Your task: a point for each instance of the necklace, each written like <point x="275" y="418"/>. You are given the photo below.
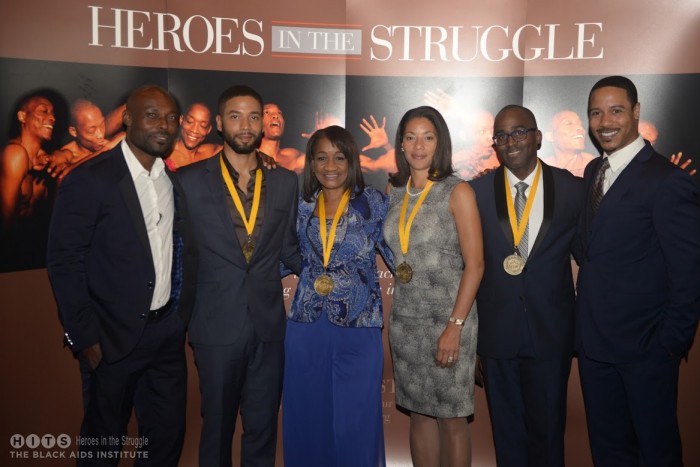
<point x="408" y="191"/>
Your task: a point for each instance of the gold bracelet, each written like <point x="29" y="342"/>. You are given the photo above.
<point x="457" y="321"/>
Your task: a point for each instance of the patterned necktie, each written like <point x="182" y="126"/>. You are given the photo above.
<point x="597" y="193"/>
<point x="520" y="201"/>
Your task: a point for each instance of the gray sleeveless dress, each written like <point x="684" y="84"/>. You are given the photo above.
<point x="422" y="307"/>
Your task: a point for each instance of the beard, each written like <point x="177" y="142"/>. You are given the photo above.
<point x="153" y="148"/>
<point x="242" y="148"/>
<point x="161" y="151"/>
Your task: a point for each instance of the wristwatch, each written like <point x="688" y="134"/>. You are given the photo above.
<point x="457" y="321"/>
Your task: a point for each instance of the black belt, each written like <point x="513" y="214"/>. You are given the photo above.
<point x="160" y="313"/>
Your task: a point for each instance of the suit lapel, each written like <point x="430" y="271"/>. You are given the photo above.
<point x="214" y="180"/>
<point x="271" y="197"/>
<point x="627" y="180"/>
<point x="499" y="191"/>
<point x="127" y="190"/>
<point x="548" y="206"/>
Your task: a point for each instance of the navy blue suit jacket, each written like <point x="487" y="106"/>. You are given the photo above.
<point x="228" y="288"/>
<point x="545" y="288"/>
<point x="639" y="282"/>
<point x="99" y="258"/>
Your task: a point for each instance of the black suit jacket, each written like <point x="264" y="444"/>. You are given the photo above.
<point x="228" y="288"/>
<point x="544" y="290"/>
<point x="639" y="282"/>
<point x="99" y="258"/>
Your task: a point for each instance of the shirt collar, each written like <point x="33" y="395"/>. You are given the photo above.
<point x="135" y="167"/>
<point x="234" y="173"/>
<point x="622" y="157"/>
<point x="513" y="180"/>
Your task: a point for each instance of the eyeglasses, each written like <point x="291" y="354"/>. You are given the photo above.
<point x="501" y="139"/>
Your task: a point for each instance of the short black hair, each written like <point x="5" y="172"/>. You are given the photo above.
<point x="441" y="166"/>
<point x="525" y="110"/>
<point x="617" y="82"/>
<point x="343" y="140"/>
<point x="237" y="91"/>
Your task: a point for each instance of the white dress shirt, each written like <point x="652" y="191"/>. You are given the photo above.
<point x="155" y="192"/>
<point x="619" y="160"/>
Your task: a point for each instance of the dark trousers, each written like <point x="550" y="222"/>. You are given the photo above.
<point x="246" y="375"/>
<point x="631" y="411"/>
<point x="152" y="380"/>
<point x="526" y="397"/>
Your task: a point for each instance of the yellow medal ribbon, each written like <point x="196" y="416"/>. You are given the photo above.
<point x="327" y="241"/>
<point x="248" y="222"/>
<point x="518" y="229"/>
<point x="405" y="227"/>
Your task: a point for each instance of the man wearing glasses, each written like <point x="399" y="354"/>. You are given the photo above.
<point x="529" y="212"/>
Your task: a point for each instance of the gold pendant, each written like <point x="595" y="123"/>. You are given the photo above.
<point x="404" y="273"/>
<point x="248" y="249"/>
<point x="323" y="285"/>
<point x="514" y="264"/>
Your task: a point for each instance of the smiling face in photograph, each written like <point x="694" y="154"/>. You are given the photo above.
<point x="568" y="133"/>
<point x="37" y="115"/>
<point x="195" y="125"/>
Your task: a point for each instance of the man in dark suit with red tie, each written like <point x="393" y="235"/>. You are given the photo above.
<point x="244" y="219"/>
<point x="122" y="268"/>
<point x="638" y="286"/>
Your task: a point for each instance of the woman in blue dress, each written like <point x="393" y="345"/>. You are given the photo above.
<point x="331" y="404"/>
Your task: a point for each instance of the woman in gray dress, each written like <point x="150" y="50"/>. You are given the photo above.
<point x="434" y="230"/>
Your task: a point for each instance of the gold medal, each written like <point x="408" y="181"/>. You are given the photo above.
<point x="248" y="222"/>
<point x="404" y="273"/>
<point x="323" y="285"/>
<point x="514" y="264"/>
<point x="248" y="249"/>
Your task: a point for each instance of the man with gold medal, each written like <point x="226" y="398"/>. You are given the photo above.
<point x="529" y="212"/>
<point x="244" y="219"/>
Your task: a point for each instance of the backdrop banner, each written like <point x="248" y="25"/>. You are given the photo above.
<point x="359" y="64"/>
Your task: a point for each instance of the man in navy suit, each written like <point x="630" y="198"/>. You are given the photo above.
<point x="526" y="297"/>
<point x="244" y="220"/>
<point x="638" y="286"/>
<point x="121" y="266"/>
